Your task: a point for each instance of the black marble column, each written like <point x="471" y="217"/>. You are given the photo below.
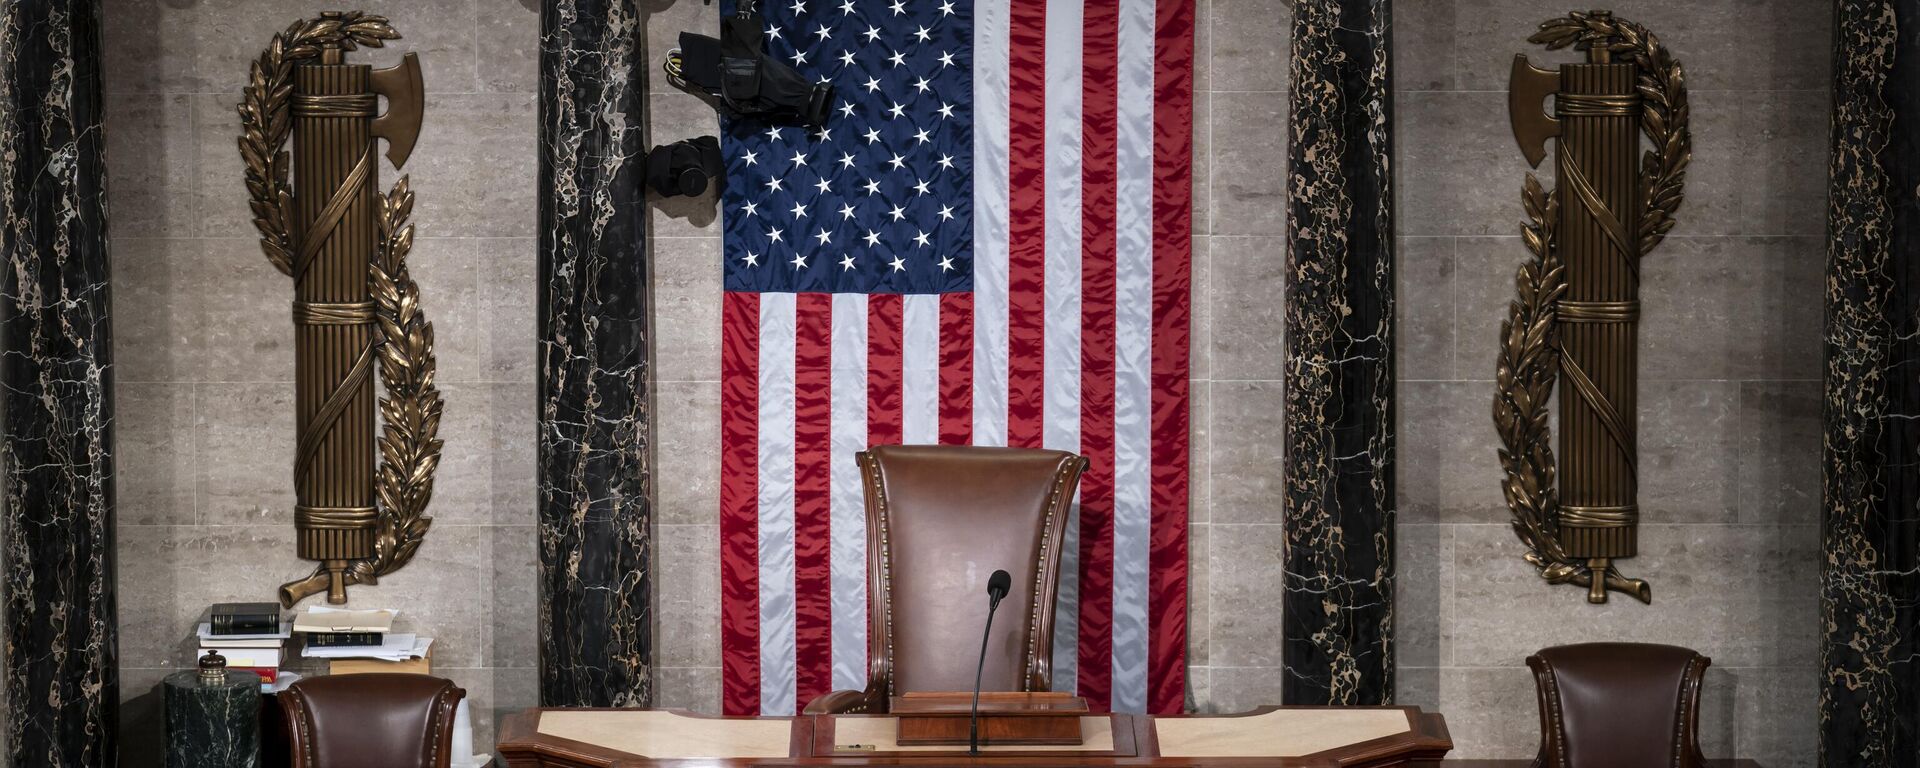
<point x="1870" y="575"/>
<point x="596" y="623"/>
<point x="56" y="391"/>
<point x="1338" y="611"/>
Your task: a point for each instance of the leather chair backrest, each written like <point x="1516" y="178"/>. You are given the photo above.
<point x="353" y="721"/>
<point x="1619" y="705"/>
<point x="941" y="520"/>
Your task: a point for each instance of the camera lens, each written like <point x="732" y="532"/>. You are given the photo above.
<point x="692" y="182"/>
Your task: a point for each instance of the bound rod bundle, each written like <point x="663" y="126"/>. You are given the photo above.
<point x="1576" y="319"/>
<point x="355" y="309"/>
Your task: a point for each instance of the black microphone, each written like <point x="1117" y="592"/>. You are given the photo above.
<point x="997" y="586"/>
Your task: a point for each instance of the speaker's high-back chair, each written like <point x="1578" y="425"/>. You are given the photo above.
<point x="940" y="520"/>
<point x="1619" y="705"/>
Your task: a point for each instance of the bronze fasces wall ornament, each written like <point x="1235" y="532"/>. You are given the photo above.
<point x="1576" y="316"/>
<point x="361" y="487"/>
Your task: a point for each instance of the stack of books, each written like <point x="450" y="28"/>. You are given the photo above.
<point x="362" y="641"/>
<point x="251" y="638"/>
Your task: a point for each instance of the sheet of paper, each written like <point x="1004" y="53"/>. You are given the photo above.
<point x="321" y="619"/>
<point x="396" y="646"/>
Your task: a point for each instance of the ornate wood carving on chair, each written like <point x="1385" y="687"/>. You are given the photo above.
<point x="939" y="520"/>
<point x="1619" y="705"/>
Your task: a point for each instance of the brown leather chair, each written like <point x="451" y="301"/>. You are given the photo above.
<point x="1619" y="705"/>
<point x="374" y="719"/>
<point x="940" y="520"/>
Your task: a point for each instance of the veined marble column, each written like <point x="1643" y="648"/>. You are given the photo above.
<point x="56" y="389"/>
<point x="1338" y="503"/>
<point x="596" y="624"/>
<point x="1870" y="575"/>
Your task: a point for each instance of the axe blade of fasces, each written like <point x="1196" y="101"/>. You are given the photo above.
<point x="406" y="101"/>
<point x="1527" y="94"/>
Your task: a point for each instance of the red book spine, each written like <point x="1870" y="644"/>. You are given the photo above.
<point x="267" y="674"/>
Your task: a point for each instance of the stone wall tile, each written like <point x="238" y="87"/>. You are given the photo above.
<point x="1689" y="451"/>
<point x="689" y="623"/>
<point x="1232" y="690"/>
<point x="1199" y="596"/>
<point x="694" y="689"/>
<point x="1249" y="44"/>
<point x="1423" y="594"/>
<point x="1424" y="299"/>
<point x="1245" y="462"/>
<point x="150" y="164"/>
<point x="154" y="444"/>
<point x="1780" y="430"/>
<point x="474" y="167"/>
<point x="1732" y="308"/>
<point x="688" y="460"/>
<point x="507" y="37"/>
<point x="244" y="441"/>
<point x="507" y="271"/>
<point x="1245" y="572"/>
<point x="686" y="310"/>
<point x="1249" y="163"/>
<point x="1249" y="320"/>
<point x="1458" y="171"/>
<point x="513" y="554"/>
<point x="1449" y="468"/>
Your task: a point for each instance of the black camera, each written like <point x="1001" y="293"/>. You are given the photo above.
<point x="684" y="167"/>
<point x="737" y="70"/>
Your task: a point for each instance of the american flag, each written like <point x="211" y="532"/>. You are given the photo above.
<point x="989" y="242"/>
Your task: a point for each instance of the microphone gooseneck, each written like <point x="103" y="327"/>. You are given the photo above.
<point x="997" y="586"/>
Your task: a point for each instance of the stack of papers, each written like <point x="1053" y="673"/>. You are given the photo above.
<point x="322" y="619"/>
<point x="394" y="647"/>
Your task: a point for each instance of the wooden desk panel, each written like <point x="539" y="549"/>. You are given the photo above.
<point x="1529" y="763"/>
<point x="1290" y="737"/>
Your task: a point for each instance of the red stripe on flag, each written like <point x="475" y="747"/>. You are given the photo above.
<point x="812" y="496"/>
<point x="886" y="316"/>
<point x="1172" y="355"/>
<point x="956" y="368"/>
<point x="1098" y="172"/>
<point x="740" y="502"/>
<point x="1026" y="226"/>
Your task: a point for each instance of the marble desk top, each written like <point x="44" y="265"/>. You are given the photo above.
<point x="1290" y="736"/>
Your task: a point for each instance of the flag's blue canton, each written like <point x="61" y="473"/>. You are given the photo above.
<point x="881" y="200"/>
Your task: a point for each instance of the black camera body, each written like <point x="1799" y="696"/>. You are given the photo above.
<point x="736" y="70"/>
<point x="684" y="167"/>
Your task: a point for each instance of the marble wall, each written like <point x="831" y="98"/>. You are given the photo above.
<point x="1730" y="359"/>
<point x="203" y="339"/>
<point x="1729" y="392"/>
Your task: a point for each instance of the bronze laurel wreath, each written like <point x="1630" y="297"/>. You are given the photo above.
<point x="1663" y="111"/>
<point x="1529" y="355"/>
<point x="410" y="409"/>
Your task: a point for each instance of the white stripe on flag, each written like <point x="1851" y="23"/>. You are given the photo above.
<point x="920" y="369"/>
<point x="1061" y="410"/>
<point x="1133" y="347"/>
<point x="776" y="503"/>
<point x="991" y="41"/>
<point x="848" y="507"/>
